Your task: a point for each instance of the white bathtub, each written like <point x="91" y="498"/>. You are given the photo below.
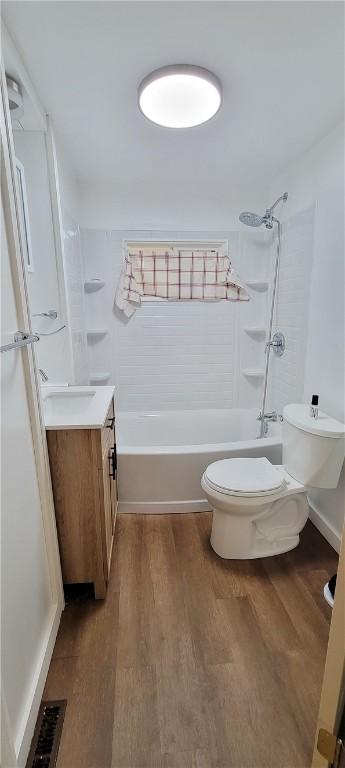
<point x="162" y="456"/>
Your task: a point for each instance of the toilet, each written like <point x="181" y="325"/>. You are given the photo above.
<point x="259" y="509"/>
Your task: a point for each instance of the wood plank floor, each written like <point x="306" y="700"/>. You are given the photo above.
<point x="193" y="661"/>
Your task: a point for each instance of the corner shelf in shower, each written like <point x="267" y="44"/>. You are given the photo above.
<point x="253" y="373"/>
<point x="257" y="285"/>
<point x="94" y="334"/>
<point x="90" y="286"/>
<point x="255" y="330"/>
<point x="99" y="378"/>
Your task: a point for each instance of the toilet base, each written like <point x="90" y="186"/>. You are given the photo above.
<point x="263" y="548"/>
<point x="272" y="530"/>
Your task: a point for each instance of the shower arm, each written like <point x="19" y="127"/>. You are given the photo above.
<point x="270" y="210"/>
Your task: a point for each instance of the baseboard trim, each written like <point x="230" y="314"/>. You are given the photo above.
<point x="162" y="507"/>
<point x="26" y="729"/>
<point x="324" y="526"/>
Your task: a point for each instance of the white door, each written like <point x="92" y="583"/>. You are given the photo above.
<point x="31" y="596"/>
<point x="330" y="724"/>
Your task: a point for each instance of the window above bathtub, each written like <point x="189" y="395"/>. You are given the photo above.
<point x="172" y="248"/>
<point x="176" y="271"/>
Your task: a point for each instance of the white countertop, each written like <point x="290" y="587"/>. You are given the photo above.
<point x="75" y="407"/>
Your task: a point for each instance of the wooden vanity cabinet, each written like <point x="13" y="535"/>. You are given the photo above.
<point x="83" y="471"/>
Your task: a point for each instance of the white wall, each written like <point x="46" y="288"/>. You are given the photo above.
<point x="74" y="282"/>
<point x="318" y="180"/>
<point x="286" y="373"/>
<point x="316" y="170"/>
<point x="63" y="356"/>
<point x="43" y="283"/>
<point x="186" y="355"/>
<point x="69" y="187"/>
<point x="72" y="266"/>
<point x="102" y="208"/>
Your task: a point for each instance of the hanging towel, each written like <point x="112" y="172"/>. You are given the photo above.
<point x="174" y="274"/>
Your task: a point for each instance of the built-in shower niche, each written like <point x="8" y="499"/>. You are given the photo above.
<point x="96" y="332"/>
<point x="252" y="323"/>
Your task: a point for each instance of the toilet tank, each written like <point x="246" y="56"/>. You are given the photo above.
<point x="313" y="449"/>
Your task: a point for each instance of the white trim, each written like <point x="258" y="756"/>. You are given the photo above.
<point x="31" y="706"/>
<point x="326" y="528"/>
<point x="55" y="198"/>
<point x="10" y="202"/>
<point x="26" y="223"/>
<point x="149" y="241"/>
<point x="7" y="752"/>
<point x="162" y="507"/>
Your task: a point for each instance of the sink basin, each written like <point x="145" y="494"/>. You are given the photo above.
<point x="60" y="404"/>
<point x="76" y="407"/>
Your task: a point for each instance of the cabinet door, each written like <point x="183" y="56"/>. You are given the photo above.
<point x="107" y="483"/>
<point x="113" y="487"/>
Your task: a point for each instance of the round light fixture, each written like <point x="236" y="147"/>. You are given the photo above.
<point x="180" y="96"/>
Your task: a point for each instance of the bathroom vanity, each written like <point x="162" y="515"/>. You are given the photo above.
<point x="80" y="428"/>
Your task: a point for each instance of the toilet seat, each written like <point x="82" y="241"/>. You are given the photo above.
<point x="248" y="477"/>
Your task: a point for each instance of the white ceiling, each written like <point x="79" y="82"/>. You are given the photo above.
<point x="280" y="63"/>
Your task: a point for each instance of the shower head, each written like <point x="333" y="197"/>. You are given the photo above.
<point x="254" y="220"/>
<point x="251" y="219"/>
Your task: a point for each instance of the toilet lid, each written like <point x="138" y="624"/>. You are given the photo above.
<point x="245" y="476"/>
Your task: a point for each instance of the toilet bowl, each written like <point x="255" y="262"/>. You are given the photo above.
<point x="254" y="523"/>
<point x="259" y="509"/>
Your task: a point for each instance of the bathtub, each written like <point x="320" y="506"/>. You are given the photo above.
<point x="162" y="456"/>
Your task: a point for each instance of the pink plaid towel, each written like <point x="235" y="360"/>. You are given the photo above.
<point x="176" y="275"/>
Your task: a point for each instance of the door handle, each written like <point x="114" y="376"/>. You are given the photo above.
<point x="113" y="463"/>
<point x="112" y="422"/>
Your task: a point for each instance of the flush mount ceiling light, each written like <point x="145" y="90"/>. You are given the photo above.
<point x="180" y="96"/>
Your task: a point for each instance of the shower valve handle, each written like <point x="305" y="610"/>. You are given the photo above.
<point x="277" y="343"/>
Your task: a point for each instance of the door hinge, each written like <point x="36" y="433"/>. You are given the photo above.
<point x="331" y="748"/>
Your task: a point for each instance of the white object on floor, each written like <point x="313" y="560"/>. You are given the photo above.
<point x="328" y="595"/>
<point x="260" y="509"/>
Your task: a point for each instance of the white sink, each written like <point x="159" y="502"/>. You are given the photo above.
<point x="61" y="404"/>
<point x="75" y="407"/>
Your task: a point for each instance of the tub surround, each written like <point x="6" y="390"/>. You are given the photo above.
<point x="178" y="355"/>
